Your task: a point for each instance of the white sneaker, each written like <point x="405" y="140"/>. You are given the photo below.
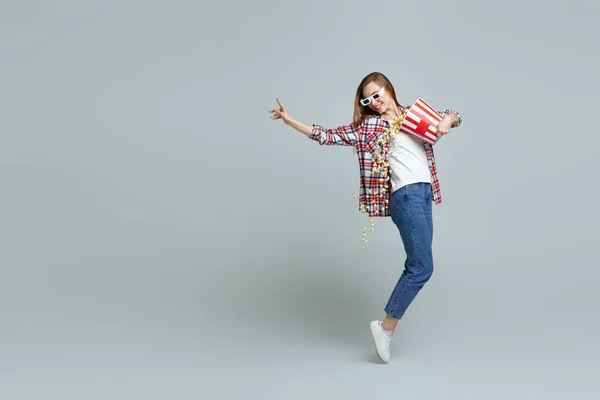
<point x="383" y="341"/>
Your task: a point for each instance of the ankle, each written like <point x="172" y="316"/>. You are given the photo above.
<point x="387" y="328"/>
<point x="389" y="324"/>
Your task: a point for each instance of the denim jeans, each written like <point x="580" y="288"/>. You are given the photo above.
<point x="410" y="209"/>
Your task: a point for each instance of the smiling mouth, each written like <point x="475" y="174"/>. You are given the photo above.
<point x="378" y="106"/>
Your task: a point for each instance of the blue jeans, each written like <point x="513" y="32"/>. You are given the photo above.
<point x="410" y="209"/>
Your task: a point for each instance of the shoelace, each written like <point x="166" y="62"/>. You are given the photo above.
<point x="388" y="344"/>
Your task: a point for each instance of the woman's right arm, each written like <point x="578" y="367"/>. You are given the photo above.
<point x="346" y="135"/>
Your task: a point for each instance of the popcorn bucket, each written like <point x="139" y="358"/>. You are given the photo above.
<point x="421" y="120"/>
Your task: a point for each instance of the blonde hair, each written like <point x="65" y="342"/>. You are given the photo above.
<point x="361" y="113"/>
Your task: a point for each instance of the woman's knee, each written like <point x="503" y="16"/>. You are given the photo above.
<point x="427" y="271"/>
<point x="423" y="273"/>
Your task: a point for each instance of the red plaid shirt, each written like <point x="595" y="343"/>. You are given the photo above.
<point x="364" y="138"/>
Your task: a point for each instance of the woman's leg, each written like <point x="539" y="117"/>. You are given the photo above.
<point x="410" y="208"/>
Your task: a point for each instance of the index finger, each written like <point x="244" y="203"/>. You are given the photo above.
<point x="278" y="102"/>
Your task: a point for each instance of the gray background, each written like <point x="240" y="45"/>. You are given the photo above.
<point x="161" y="238"/>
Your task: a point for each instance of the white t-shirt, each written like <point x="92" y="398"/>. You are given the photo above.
<point x="408" y="161"/>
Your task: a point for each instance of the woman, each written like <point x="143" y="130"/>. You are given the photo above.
<point x="397" y="178"/>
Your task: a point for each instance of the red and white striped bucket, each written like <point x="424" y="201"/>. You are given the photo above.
<point x="421" y="121"/>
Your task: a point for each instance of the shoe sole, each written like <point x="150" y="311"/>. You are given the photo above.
<point x="375" y="341"/>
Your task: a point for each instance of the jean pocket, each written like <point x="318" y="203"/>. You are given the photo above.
<point x="415" y="192"/>
<point x="408" y="190"/>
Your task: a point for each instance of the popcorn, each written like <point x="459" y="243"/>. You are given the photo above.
<point x="382" y="167"/>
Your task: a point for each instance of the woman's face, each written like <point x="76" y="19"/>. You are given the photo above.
<point x="380" y="103"/>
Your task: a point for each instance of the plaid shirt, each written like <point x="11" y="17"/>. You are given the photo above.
<point x="364" y="138"/>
